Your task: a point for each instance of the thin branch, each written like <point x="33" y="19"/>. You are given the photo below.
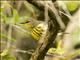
<point x="46" y="13"/>
<point x="58" y="18"/>
<point x="52" y="8"/>
<point x="46" y="41"/>
<point x="23" y="51"/>
<point x="8" y="45"/>
<point x="70" y="17"/>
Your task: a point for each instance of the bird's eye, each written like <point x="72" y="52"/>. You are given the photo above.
<point x="39" y="27"/>
<point x="25" y="22"/>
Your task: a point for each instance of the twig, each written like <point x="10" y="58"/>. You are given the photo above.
<point x="58" y="18"/>
<point x="70" y="17"/>
<point x="8" y="45"/>
<point x="23" y="51"/>
<point x="52" y="8"/>
<point x="46" y="12"/>
<point x="47" y="39"/>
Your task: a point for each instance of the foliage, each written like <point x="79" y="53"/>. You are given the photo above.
<point x="18" y="20"/>
<point x="8" y="57"/>
<point x="72" y="6"/>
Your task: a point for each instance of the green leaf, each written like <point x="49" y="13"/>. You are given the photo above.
<point x="9" y="57"/>
<point x="72" y="6"/>
<point x="2" y="14"/>
<point x="15" y="16"/>
<point x="5" y="52"/>
<point x="51" y="50"/>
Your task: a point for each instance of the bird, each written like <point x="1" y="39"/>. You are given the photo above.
<point x="29" y="41"/>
